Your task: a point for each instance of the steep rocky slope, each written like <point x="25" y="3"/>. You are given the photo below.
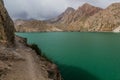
<point x="6" y="27"/>
<point x="106" y="20"/>
<point x="84" y="11"/>
<point x="81" y="15"/>
<point x="33" y="26"/>
<point x="20" y="62"/>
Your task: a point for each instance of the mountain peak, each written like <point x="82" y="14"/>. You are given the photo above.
<point x="69" y="9"/>
<point x="87" y="9"/>
<point x="86" y="5"/>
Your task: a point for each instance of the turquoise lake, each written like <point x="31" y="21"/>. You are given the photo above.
<point x="81" y="55"/>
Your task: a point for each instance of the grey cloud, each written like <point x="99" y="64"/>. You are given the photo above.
<point x="45" y="9"/>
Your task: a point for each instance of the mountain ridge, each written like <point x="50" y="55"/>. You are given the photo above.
<point x="84" y="18"/>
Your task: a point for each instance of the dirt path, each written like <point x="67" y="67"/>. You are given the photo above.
<point x="33" y="68"/>
<point x="25" y="64"/>
<point x="27" y="69"/>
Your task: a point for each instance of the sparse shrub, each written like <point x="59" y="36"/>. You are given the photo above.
<point x="48" y="59"/>
<point x="39" y="52"/>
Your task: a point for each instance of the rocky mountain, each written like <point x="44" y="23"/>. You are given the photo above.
<point x="6" y="27"/>
<point x="21" y="61"/>
<point x="84" y="12"/>
<point x="33" y="26"/>
<point x="90" y="18"/>
<point x="72" y="19"/>
<point x="85" y="18"/>
<point x="106" y="20"/>
<point x="81" y="15"/>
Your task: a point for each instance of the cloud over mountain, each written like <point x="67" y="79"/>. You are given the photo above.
<point x="45" y="9"/>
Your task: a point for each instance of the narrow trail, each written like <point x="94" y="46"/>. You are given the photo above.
<point x="33" y="68"/>
<point x="27" y="69"/>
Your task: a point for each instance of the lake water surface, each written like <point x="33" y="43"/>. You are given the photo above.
<point x="81" y="56"/>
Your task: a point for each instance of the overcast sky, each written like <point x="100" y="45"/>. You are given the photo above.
<point x="46" y="9"/>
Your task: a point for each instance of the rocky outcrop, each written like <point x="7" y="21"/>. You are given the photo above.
<point x="6" y="27"/>
<point x="106" y="20"/>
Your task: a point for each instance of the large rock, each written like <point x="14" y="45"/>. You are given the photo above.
<point x="6" y="27"/>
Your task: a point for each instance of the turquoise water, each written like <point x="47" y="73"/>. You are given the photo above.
<point x="81" y="56"/>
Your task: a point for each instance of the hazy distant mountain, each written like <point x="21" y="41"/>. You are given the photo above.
<point x="33" y="26"/>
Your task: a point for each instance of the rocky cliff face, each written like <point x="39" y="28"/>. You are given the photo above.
<point x="6" y="27"/>
<point x="106" y="20"/>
